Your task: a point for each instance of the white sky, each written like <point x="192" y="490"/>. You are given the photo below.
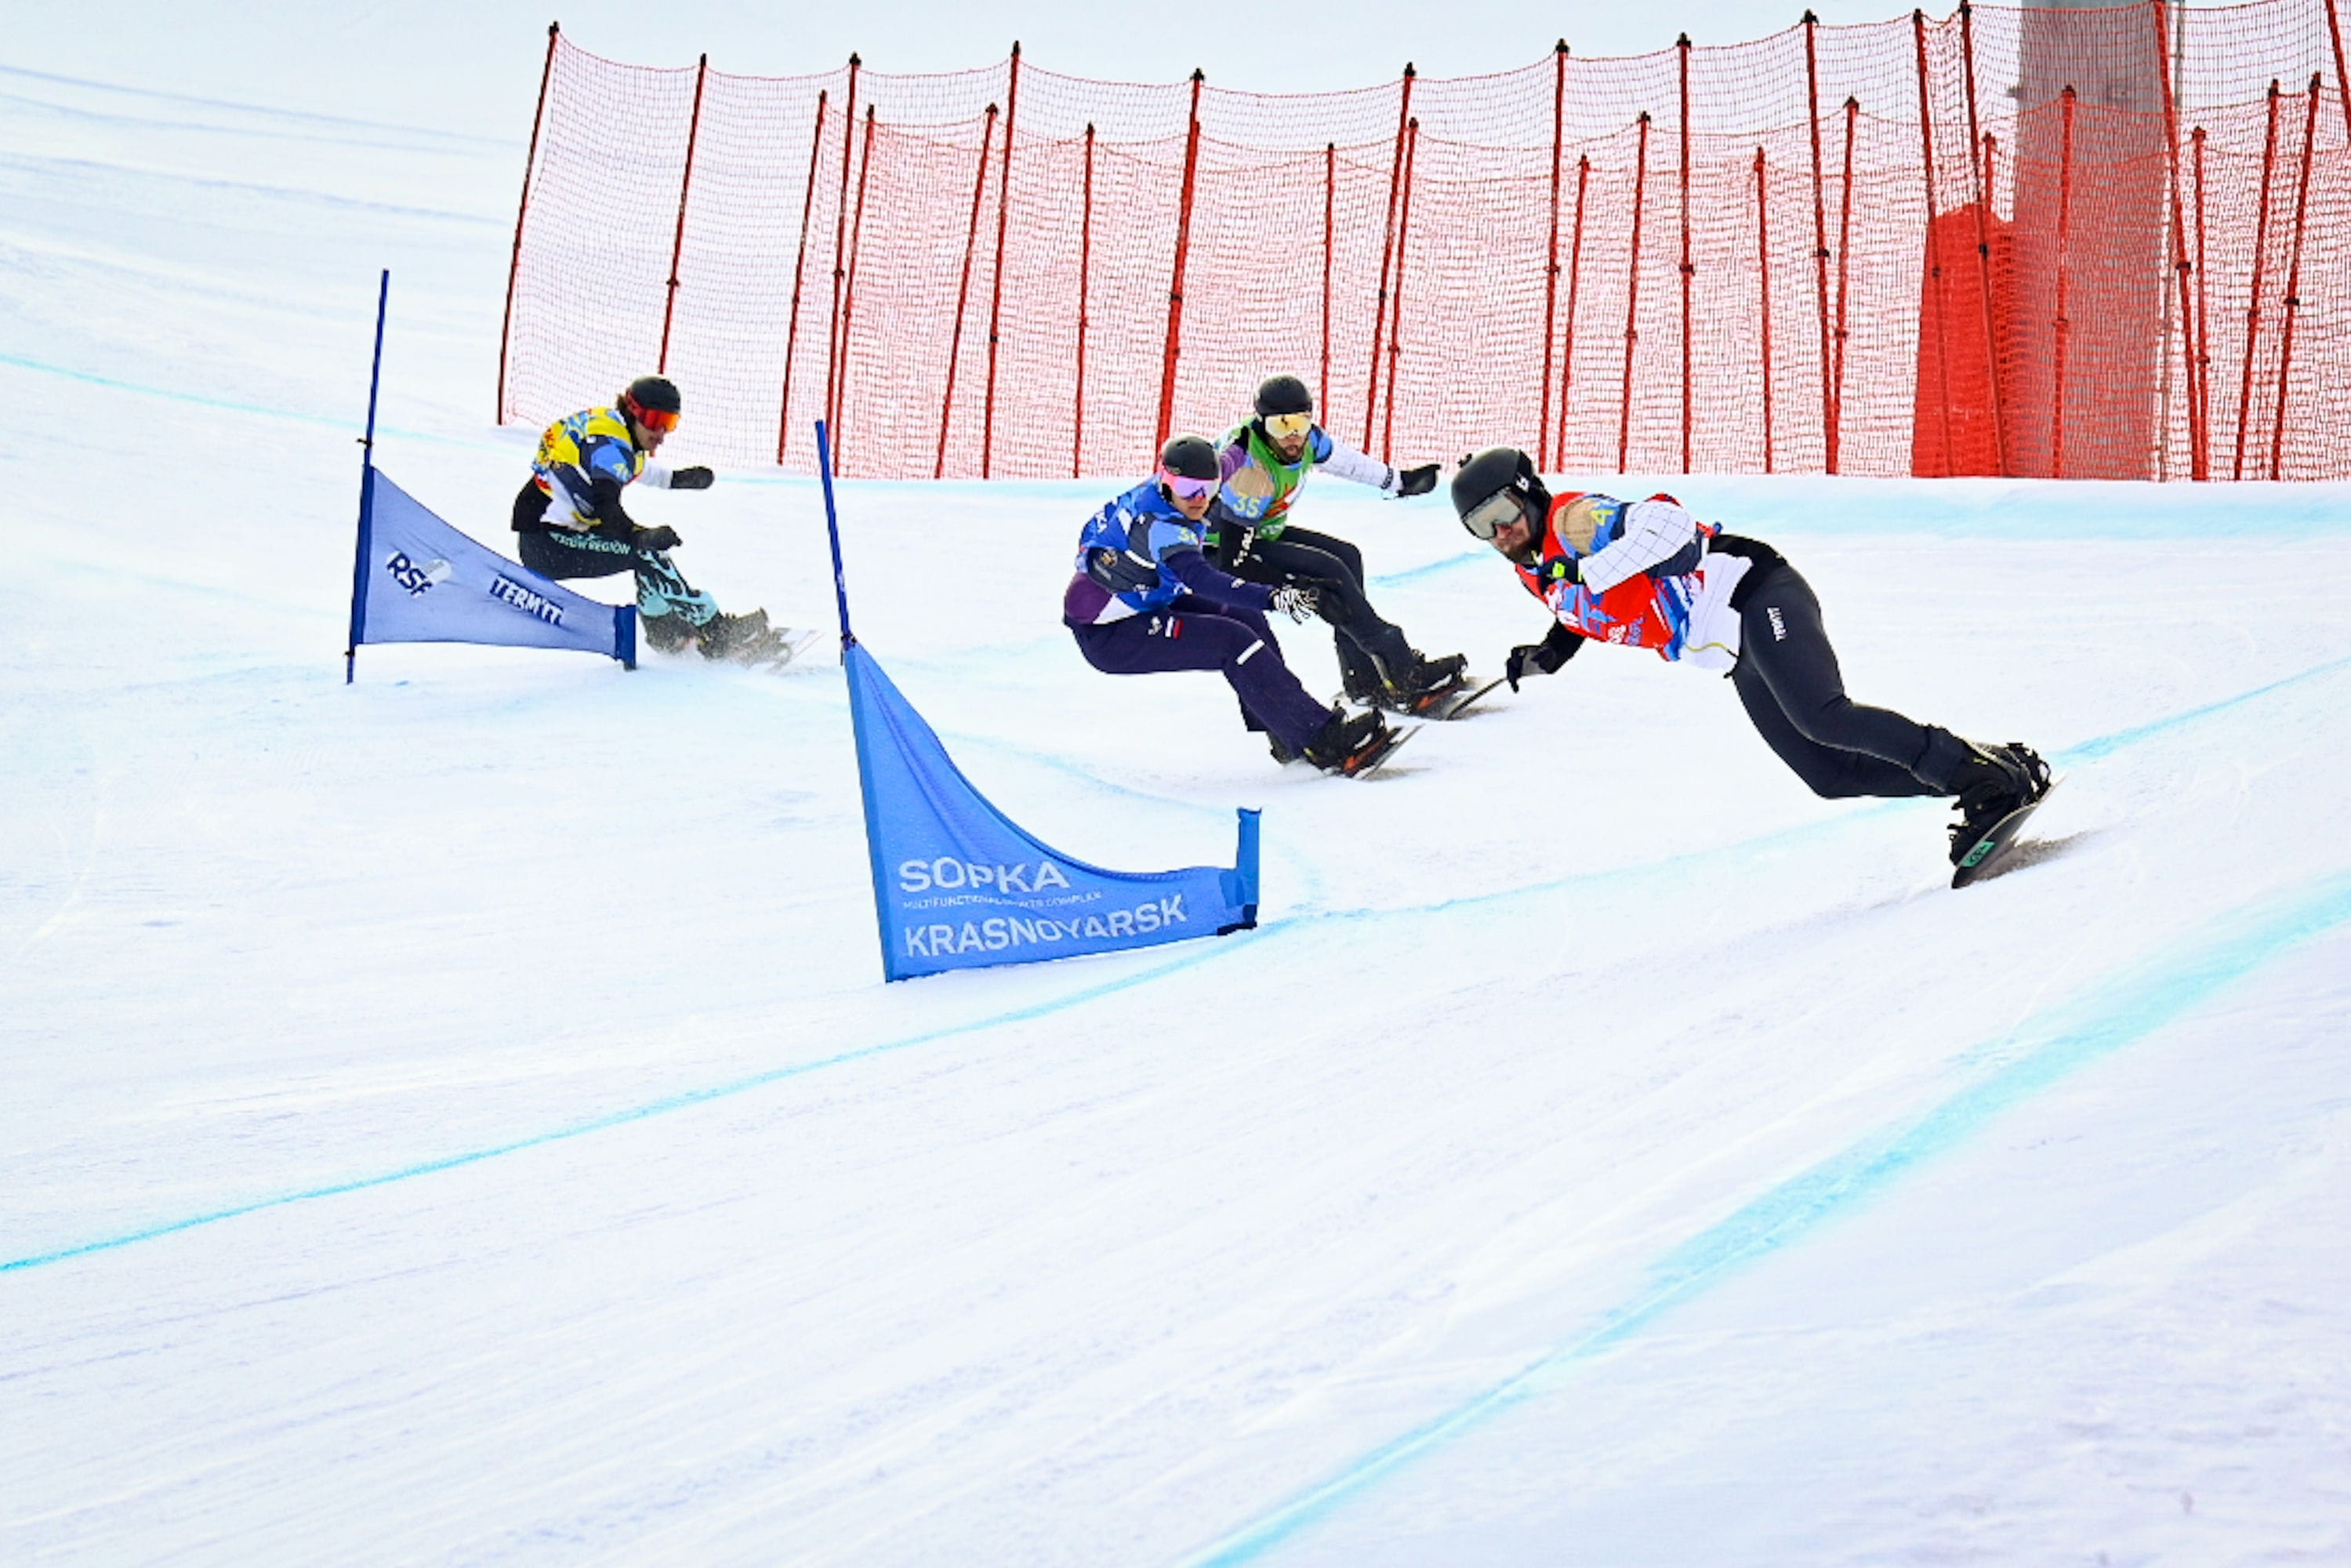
<point x="475" y="66"/>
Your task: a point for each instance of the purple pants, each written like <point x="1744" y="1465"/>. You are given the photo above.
<point x="1194" y="634"/>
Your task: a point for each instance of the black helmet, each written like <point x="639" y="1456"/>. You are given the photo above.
<point x="1284" y="394"/>
<point x="654" y="394"/>
<point x="1190" y="457"/>
<point x="1496" y="471"/>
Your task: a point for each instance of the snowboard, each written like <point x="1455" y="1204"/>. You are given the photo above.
<point x="779" y="648"/>
<point x="1988" y="852"/>
<point x="774" y="649"/>
<point x="1462" y="699"/>
<point x="1452" y="704"/>
<point x="1364" y="767"/>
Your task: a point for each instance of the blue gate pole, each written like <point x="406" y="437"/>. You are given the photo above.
<point x="367" y="488"/>
<point x="832" y="528"/>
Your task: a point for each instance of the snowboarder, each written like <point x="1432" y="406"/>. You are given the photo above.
<point x="1145" y="600"/>
<point x="1647" y="574"/>
<point x="1263" y="463"/>
<point x="583" y="463"/>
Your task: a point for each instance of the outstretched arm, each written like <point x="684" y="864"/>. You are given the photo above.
<point x="1191" y="568"/>
<point x="1337" y="458"/>
<point x="662" y="477"/>
<point x="1651" y="532"/>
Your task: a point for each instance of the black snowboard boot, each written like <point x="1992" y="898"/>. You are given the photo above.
<point x="1349" y="740"/>
<point x="1425" y="682"/>
<point x="744" y="638"/>
<point x="667" y="634"/>
<point x="1993" y="781"/>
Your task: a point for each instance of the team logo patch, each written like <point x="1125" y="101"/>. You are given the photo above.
<point x="1580" y="522"/>
<point x="415" y="578"/>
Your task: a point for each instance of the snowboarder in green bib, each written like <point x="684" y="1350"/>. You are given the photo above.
<point x="1264" y="463"/>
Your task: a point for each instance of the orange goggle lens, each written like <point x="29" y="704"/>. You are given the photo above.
<point x="1283" y="427"/>
<point x="661" y="421"/>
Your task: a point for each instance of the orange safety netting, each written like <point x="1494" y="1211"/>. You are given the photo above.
<point x="2109" y="244"/>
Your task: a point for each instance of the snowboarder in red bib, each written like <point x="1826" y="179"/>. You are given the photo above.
<point x="1647" y="574"/>
<point x="1146" y="601"/>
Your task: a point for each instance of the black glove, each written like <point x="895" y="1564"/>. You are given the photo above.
<point x="656" y="540"/>
<point x="1562" y="568"/>
<point x="690" y="479"/>
<point x="1543" y="658"/>
<point x="1417" y="481"/>
<point x="1528" y="659"/>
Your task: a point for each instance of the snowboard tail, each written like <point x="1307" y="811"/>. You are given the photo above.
<point x="1986" y="854"/>
<point x="1366" y="763"/>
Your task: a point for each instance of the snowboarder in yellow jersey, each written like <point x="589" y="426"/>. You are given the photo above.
<point x="572" y="524"/>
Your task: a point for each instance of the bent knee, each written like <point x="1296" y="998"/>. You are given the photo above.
<point x="1837" y="786"/>
<point x="1255" y="648"/>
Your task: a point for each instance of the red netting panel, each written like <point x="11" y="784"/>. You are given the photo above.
<point x="1260" y="217"/>
<point x="1944" y="264"/>
<point x="2248" y="347"/>
<point x="2318" y="406"/>
<point x="591" y="282"/>
<point x="733" y="314"/>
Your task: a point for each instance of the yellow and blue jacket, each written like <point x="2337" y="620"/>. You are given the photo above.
<point x="583" y="462"/>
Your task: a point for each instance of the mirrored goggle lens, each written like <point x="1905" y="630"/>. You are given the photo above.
<point x="1492" y="514"/>
<point x="1186" y="488"/>
<point x="1283" y="427"/>
<point x="660" y="420"/>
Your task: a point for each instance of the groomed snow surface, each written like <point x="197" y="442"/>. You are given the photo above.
<point x="458" y="1117"/>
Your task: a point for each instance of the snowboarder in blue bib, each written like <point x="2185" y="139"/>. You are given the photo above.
<point x="572" y="524"/>
<point x="1145" y="599"/>
<point x="1263" y="465"/>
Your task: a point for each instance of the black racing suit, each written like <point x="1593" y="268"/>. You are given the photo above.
<point x="1370" y="650"/>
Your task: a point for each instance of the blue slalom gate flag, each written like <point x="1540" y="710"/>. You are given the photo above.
<point x="420" y="580"/>
<point x="959" y="885"/>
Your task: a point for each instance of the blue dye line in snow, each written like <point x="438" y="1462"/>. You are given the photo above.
<point x="2108" y="744"/>
<point x="1293" y="925"/>
<point x="303" y="117"/>
<point x="2116" y="1013"/>
<point x="620" y="1118"/>
<point x="172" y="394"/>
<point x="2090" y="750"/>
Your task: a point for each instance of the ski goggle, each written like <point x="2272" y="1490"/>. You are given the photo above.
<point x="1184" y="487"/>
<point x="660" y="421"/>
<point x="1283" y="427"/>
<point x="1492" y="514"/>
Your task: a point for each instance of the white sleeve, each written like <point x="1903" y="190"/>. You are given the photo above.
<point x="1652" y="531"/>
<point x="655" y="475"/>
<point x="1363" y="469"/>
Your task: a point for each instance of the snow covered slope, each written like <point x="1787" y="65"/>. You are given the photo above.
<point x="458" y="1117"/>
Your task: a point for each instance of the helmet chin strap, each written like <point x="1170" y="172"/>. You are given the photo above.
<point x="1538" y="508"/>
